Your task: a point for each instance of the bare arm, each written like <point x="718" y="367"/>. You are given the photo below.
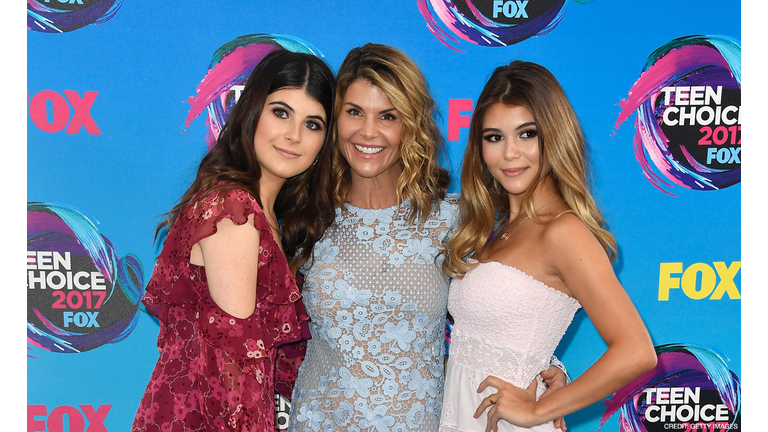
<point x="584" y="268"/>
<point x="555" y="377"/>
<point x="230" y="257"/>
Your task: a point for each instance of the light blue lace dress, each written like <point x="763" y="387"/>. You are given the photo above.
<point x="377" y="299"/>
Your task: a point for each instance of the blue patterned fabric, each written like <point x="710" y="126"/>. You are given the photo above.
<point x="378" y="300"/>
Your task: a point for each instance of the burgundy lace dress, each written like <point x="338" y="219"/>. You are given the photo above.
<point x="217" y="372"/>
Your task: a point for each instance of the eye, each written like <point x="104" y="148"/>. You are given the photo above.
<point x="354" y="112"/>
<point x="388" y="117"/>
<point x="529" y="133"/>
<point x="280" y="112"/>
<point x="493" y="137"/>
<point x="313" y="125"/>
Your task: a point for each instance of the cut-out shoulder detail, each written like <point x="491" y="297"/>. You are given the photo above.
<point x="215" y="371"/>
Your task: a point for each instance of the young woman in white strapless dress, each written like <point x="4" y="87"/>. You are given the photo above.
<point x="516" y="288"/>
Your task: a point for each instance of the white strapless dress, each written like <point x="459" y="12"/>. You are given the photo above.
<point x="507" y="324"/>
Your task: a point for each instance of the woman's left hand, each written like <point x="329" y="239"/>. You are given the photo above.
<point x="554" y="378"/>
<point x="509" y="403"/>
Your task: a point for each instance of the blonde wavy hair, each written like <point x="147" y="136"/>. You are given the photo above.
<point x="562" y="145"/>
<point x="423" y="181"/>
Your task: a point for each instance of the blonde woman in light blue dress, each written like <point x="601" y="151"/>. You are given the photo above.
<point x="375" y="290"/>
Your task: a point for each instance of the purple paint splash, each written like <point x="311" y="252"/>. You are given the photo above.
<point x="45" y="19"/>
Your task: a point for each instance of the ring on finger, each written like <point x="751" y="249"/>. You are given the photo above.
<point x="490" y="399"/>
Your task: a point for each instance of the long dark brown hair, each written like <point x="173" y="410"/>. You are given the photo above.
<point x="303" y="205"/>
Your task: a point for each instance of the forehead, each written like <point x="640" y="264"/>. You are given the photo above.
<point x="366" y="94"/>
<point x="513" y="115"/>
<point x="298" y="99"/>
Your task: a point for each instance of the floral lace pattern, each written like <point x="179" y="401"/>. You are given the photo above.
<point x="217" y="372"/>
<point x="377" y="298"/>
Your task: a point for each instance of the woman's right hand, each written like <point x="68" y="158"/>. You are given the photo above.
<point x="510" y="403"/>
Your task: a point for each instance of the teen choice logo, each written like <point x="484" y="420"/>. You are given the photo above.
<point x="80" y="293"/>
<point x="688" y="127"/>
<point x="494" y="23"/>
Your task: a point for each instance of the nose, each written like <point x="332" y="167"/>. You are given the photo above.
<point x="369" y="128"/>
<point x="293" y="132"/>
<point x="511" y="151"/>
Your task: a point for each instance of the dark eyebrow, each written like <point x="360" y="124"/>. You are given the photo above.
<point x="318" y="118"/>
<point x="283" y="104"/>
<point x="289" y="108"/>
<point x="388" y="111"/>
<point x="522" y="126"/>
<point x="356" y="106"/>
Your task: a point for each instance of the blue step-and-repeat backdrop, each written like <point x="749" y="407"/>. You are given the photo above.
<point x="124" y="96"/>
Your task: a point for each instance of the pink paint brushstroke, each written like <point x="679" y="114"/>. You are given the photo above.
<point x="219" y="79"/>
<point x="681" y="59"/>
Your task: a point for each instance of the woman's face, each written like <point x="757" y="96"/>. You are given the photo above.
<point x="370" y="130"/>
<point x="290" y="133"/>
<point x="510" y="146"/>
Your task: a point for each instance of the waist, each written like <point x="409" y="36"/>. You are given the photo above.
<point x="461" y="399"/>
<point x="511" y="363"/>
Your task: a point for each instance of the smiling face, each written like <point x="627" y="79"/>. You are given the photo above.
<point x="369" y="131"/>
<point x="510" y="147"/>
<point x="290" y="133"/>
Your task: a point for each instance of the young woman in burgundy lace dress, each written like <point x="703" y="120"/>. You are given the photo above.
<point x="232" y="323"/>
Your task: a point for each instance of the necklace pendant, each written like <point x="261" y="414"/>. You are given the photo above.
<point x="505" y="236"/>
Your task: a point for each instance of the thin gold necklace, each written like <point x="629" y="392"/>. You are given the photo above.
<point x="506" y="234"/>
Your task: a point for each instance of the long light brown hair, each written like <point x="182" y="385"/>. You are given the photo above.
<point x="423" y="181"/>
<point x="562" y="146"/>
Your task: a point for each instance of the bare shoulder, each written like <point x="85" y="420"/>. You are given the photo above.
<point x="567" y="234"/>
<point x="577" y="258"/>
